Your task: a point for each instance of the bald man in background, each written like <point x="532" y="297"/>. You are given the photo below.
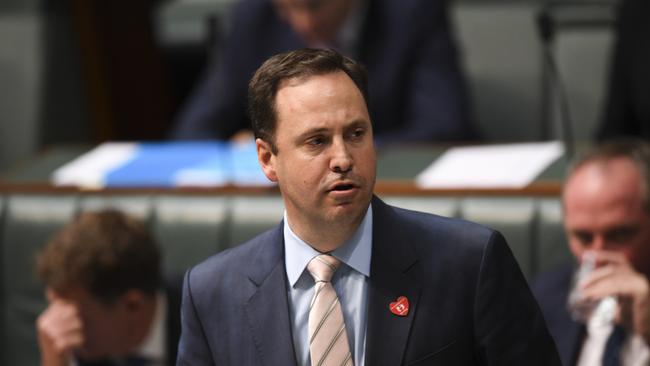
<point x="607" y="221"/>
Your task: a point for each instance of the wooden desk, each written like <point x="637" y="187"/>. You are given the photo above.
<point x="396" y="169"/>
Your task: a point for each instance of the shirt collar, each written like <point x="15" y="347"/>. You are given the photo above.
<point x="355" y="252"/>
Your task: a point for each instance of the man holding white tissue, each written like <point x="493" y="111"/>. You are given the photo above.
<point x="606" y="319"/>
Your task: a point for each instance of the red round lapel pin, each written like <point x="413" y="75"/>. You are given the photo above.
<point x="400" y="307"/>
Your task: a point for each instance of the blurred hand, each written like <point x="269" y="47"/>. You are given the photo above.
<point x="615" y="276"/>
<point x="60" y="331"/>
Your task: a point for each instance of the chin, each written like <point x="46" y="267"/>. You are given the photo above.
<point x="348" y="211"/>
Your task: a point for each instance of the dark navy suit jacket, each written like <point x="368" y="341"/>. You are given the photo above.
<point x="469" y="302"/>
<point x="417" y="92"/>
<point x="552" y="291"/>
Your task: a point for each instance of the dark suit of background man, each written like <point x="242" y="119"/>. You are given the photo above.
<point x="106" y="303"/>
<point x="417" y="90"/>
<point x="468" y="302"/>
<point x="606" y="214"/>
<point x="628" y="104"/>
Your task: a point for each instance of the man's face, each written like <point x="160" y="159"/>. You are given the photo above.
<point x="325" y="160"/>
<point x="106" y="327"/>
<point x="317" y="22"/>
<point x="603" y="210"/>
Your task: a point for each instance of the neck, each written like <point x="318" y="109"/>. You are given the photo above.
<point x="325" y="237"/>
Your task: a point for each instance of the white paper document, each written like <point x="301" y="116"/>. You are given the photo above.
<point x="89" y="170"/>
<point x="492" y="166"/>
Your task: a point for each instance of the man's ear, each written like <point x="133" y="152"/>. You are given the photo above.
<point x="266" y="159"/>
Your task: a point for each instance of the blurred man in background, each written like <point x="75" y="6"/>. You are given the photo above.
<point x="607" y="220"/>
<point x="106" y="306"/>
<point x="417" y="91"/>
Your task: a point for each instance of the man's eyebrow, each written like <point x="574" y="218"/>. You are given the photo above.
<point x="581" y="232"/>
<point x="360" y="122"/>
<point x="356" y="123"/>
<point x="313" y="131"/>
<point x="623" y="228"/>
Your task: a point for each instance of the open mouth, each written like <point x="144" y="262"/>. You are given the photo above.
<point x="343" y="187"/>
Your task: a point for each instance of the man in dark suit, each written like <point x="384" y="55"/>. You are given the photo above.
<point x="408" y="287"/>
<point x="607" y="220"/>
<point x="417" y="90"/>
<point x="627" y="110"/>
<point x="106" y="303"/>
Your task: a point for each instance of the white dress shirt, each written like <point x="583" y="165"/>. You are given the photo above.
<point x="635" y="351"/>
<point x="350" y="282"/>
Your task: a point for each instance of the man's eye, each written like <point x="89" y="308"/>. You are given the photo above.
<point x="358" y="133"/>
<point x="316" y="141"/>
<point x="622" y="235"/>
<point x="584" y="238"/>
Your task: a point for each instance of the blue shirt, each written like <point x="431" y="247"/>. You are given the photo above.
<point x="350" y="282"/>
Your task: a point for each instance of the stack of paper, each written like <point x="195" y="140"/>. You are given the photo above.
<point x="492" y="166"/>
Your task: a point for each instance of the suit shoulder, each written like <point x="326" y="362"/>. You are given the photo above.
<point x="445" y="228"/>
<point x="234" y="259"/>
<point x="437" y="238"/>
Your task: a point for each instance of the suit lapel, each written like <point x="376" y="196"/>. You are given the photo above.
<point x="567" y="333"/>
<point x="569" y="340"/>
<point x="267" y="310"/>
<point x="387" y="333"/>
<point x="568" y="336"/>
<point x="576" y="333"/>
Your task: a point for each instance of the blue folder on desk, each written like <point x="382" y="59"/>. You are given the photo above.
<point x="167" y="164"/>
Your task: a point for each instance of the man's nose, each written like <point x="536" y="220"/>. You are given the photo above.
<point x="341" y="160"/>
<point x="599" y="243"/>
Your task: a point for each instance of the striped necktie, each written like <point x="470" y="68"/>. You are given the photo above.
<point x="328" y="339"/>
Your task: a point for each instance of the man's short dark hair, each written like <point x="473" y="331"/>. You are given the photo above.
<point x="104" y="252"/>
<point x="298" y="64"/>
<point x="636" y="150"/>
